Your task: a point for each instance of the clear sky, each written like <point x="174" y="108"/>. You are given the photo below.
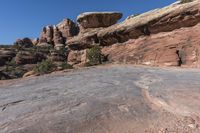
<point x="25" y="18"/>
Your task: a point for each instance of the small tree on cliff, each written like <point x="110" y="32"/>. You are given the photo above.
<point x="94" y="56"/>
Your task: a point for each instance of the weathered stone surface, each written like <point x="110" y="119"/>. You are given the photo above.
<point x="59" y="46"/>
<point x="113" y="99"/>
<point x="27" y="57"/>
<point x="84" y="40"/>
<point x="44" y="45"/>
<point x="25" y="42"/>
<point x="77" y="57"/>
<point x="98" y="19"/>
<point x="68" y="28"/>
<point x="166" y="19"/>
<point x="47" y="35"/>
<point x="57" y="56"/>
<point x="30" y="74"/>
<point x="58" y="34"/>
<point x="176" y="48"/>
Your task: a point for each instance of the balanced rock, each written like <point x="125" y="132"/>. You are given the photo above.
<point x="98" y="19"/>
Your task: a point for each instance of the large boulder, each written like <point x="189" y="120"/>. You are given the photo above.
<point x="24" y="43"/>
<point x="98" y="19"/>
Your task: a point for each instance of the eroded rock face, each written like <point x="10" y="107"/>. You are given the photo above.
<point x="27" y="57"/>
<point x="68" y="28"/>
<point x="25" y="42"/>
<point x="177" y="48"/>
<point x="57" y="56"/>
<point x="47" y="35"/>
<point x="77" y="57"/>
<point x="60" y="33"/>
<point x="166" y="19"/>
<point x="98" y="19"/>
<point x="57" y="36"/>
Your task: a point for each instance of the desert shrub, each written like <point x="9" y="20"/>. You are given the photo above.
<point x="94" y="56"/>
<point x="11" y="63"/>
<point x="13" y="71"/>
<point x="62" y="51"/>
<point x="17" y="47"/>
<point x="46" y="66"/>
<point x="65" y="65"/>
<point x="5" y="46"/>
<point x="185" y="1"/>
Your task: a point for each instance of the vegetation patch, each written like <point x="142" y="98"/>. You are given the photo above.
<point x="94" y="56"/>
<point x="65" y="65"/>
<point x="44" y="67"/>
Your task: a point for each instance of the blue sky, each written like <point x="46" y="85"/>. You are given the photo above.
<point x="25" y="18"/>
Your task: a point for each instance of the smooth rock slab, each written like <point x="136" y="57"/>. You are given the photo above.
<point x="109" y="99"/>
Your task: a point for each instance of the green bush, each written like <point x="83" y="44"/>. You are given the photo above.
<point x="46" y="66"/>
<point x="185" y="1"/>
<point x="65" y="65"/>
<point x="94" y="56"/>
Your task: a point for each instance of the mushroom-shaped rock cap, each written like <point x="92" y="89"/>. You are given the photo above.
<point x="98" y="19"/>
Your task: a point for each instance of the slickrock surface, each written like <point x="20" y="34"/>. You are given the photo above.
<point x="106" y="99"/>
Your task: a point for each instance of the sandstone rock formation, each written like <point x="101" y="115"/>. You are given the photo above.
<point x="57" y="56"/>
<point x="28" y="57"/>
<point x="180" y="47"/>
<point x="166" y="19"/>
<point x="68" y="29"/>
<point x="60" y="33"/>
<point x="25" y="42"/>
<point x="98" y="19"/>
<point x="77" y="57"/>
<point x="161" y="37"/>
<point x="46" y="35"/>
